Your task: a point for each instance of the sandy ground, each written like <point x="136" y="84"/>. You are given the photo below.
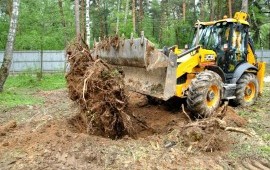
<point x="43" y="137"/>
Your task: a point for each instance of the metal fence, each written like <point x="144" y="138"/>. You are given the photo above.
<point x="263" y="55"/>
<point x="50" y="61"/>
<point x="54" y="61"/>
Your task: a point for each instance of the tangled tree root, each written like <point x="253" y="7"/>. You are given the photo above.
<point x="98" y="89"/>
<point x="209" y="134"/>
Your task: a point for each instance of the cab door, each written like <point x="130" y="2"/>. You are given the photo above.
<point x="238" y="41"/>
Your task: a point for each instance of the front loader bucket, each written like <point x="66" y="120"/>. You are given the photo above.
<point x="147" y="70"/>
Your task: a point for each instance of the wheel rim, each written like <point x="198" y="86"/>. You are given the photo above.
<point x="212" y="96"/>
<point x="250" y="91"/>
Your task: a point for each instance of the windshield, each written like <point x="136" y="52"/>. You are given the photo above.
<point x="212" y="37"/>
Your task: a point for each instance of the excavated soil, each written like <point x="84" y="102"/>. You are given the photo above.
<point x="45" y="138"/>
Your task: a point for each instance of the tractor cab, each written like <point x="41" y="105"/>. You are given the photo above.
<point x="229" y="40"/>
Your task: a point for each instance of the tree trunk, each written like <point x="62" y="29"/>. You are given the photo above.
<point x="126" y="12"/>
<point x="245" y="5"/>
<point x="195" y="11"/>
<point x="9" y="8"/>
<point x="212" y="10"/>
<point x="202" y="10"/>
<point x="102" y="22"/>
<point x="230" y="8"/>
<point x="106" y="17"/>
<point x="87" y="22"/>
<point x="235" y="6"/>
<point x="141" y="14"/>
<point x="219" y="14"/>
<point x="60" y="4"/>
<point x="8" y="55"/>
<point x="82" y="19"/>
<point x="141" y="9"/>
<point x="117" y="19"/>
<point x="77" y="19"/>
<point x="184" y="10"/>
<point x="134" y="15"/>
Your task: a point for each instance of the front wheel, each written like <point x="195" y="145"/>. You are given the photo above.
<point x="204" y="94"/>
<point x="246" y="90"/>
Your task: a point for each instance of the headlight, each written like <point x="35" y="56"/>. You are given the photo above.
<point x="209" y="57"/>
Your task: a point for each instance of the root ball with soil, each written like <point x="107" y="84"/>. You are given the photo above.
<point x="98" y="89"/>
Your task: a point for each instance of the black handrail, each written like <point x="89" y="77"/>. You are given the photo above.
<point x="189" y="51"/>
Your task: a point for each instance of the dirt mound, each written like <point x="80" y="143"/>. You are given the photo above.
<point x="211" y="134"/>
<point x="45" y="140"/>
<point x="98" y="88"/>
<point x="233" y="119"/>
<point x="206" y="135"/>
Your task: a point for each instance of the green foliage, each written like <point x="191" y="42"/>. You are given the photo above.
<point x="41" y="24"/>
<point x="260" y="23"/>
<point x="265" y="34"/>
<point x="17" y="88"/>
<point x="4" y="26"/>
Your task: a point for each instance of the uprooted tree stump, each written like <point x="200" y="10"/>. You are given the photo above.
<point x="98" y="89"/>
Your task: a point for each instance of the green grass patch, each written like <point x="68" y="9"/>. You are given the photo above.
<point x="47" y="82"/>
<point x="19" y="89"/>
<point x="265" y="151"/>
<point x="12" y="98"/>
<point x="258" y="121"/>
<point x="53" y="82"/>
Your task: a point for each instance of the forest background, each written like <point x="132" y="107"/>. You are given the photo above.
<point x="50" y="24"/>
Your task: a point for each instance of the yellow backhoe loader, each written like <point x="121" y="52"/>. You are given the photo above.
<point x="220" y="65"/>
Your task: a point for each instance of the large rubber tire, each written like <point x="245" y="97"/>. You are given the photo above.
<point x="247" y="89"/>
<point x="205" y="93"/>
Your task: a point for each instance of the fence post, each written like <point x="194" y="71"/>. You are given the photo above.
<point x="41" y="62"/>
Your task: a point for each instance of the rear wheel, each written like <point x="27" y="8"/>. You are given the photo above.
<point x="204" y="94"/>
<point x="246" y="90"/>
